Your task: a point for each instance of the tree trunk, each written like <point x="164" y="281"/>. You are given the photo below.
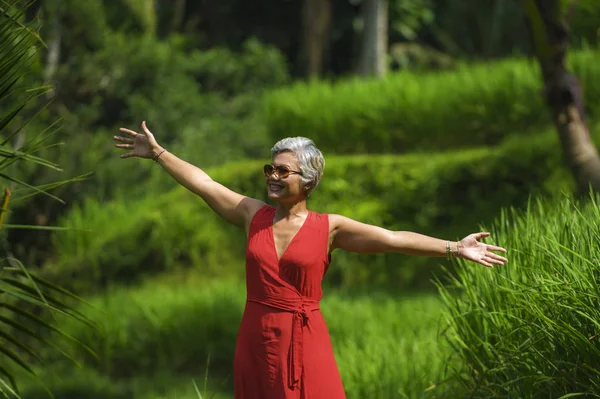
<point x="53" y="56"/>
<point x="374" y="43"/>
<point x="562" y="91"/>
<point x="317" y="26"/>
<point x="178" y="14"/>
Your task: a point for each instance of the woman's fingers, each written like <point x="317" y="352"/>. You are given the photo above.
<point x="139" y="142"/>
<point x="145" y="129"/>
<point x="128" y="131"/>
<point x="481" y="235"/>
<point x="495" y="248"/>
<point x="494" y="261"/>
<point x="497" y="257"/>
<point x="123" y="139"/>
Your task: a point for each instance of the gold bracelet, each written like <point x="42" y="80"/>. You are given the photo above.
<point x="449" y="252"/>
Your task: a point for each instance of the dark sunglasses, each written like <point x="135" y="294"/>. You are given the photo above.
<point x="281" y="170"/>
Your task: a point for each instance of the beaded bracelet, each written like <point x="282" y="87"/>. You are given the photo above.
<point x="449" y="252"/>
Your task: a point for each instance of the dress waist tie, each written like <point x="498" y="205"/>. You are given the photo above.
<point x="302" y="309"/>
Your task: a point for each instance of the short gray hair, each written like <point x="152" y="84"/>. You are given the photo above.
<point x="310" y="159"/>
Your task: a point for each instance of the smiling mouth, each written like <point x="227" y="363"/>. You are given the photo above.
<point x="275" y="187"/>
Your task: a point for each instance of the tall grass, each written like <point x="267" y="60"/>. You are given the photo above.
<point x="447" y="195"/>
<point x="471" y="106"/>
<point x="531" y="329"/>
<point x="158" y="337"/>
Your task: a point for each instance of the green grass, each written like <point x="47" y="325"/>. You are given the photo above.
<point x="390" y="347"/>
<point x="475" y="105"/>
<point x="157" y="337"/>
<point x="72" y="383"/>
<point x="526" y="330"/>
<point x="448" y="195"/>
<point x="531" y="328"/>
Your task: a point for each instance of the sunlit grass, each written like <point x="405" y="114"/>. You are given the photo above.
<point x="476" y="104"/>
<point x="167" y="330"/>
<point x="530" y="329"/>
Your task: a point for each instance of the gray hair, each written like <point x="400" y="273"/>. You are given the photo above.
<point x="310" y="159"/>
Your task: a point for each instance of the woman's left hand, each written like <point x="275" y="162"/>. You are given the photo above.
<point x="471" y="249"/>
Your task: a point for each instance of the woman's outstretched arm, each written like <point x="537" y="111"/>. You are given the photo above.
<point x="233" y="207"/>
<point x="354" y="236"/>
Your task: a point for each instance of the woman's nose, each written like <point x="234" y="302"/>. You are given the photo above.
<point x="274" y="175"/>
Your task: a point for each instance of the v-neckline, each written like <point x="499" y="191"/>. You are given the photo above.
<point x="279" y="258"/>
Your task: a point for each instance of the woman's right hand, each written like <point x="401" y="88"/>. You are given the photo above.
<point x="143" y="145"/>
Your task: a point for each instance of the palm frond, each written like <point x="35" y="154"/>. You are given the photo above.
<point x="21" y="290"/>
<point x="34" y="188"/>
<point x="50" y="186"/>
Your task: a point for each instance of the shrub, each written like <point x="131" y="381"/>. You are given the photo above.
<point x="74" y="383"/>
<point x="446" y="195"/>
<point x="86" y="382"/>
<point x="255" y="68"/>
<point x="173" y="323"/>
<point x="119" y="242"/>
<point x="184" y="96"/>
<point x="530" y="329"/>
<point x="385" y="347"/>
<point x="472" y="106"/>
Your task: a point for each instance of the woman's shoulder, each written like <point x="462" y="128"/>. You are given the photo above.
<point x="262" y="211"/>
<point x="322" y="218"/>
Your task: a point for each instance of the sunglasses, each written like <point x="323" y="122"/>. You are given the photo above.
<point x="281" y="170"/>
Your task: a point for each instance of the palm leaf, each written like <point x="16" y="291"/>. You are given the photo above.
<point x="49" y="303"/>
<point x="46" y="283"/>
<point x="16" y="358"/>
<point x="51" y="186"/>
<point x="32" y="334"/>
<point x="5" y="387"/>
<point x="40" y="322"/>
<point x="39" y="191"/>
<point x="46" y="228"/>
<point x="19" y="345"/>
<point x="5" y="120"/>
<point x="21" y="288"/>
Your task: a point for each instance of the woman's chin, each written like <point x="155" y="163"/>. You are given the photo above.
<point x="275" y="195"/>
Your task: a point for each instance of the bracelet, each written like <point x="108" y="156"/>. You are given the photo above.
<point x="449" y="252"/>
<point x="155" y="158"/>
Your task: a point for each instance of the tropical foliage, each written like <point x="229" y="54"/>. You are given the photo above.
<point x="23" y="294"/>
<point x="531" y="330"/>
<point x="456" y="132"/>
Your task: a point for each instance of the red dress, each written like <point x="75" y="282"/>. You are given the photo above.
<point x="283" y="349"/>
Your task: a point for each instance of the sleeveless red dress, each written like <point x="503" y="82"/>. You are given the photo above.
<point x="283" y="349"/>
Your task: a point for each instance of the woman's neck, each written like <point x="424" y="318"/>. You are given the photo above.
<point x="291" y="211"/>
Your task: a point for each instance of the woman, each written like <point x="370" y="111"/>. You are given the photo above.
<point x="283" y="348"/>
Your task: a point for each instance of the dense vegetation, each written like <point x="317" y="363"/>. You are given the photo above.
<point x="448" y="195"/>
<point x="527" y="329"/>
<point x="458" y="136"/>
<point x="530" y="330"/>
<point x="474" y="105"/>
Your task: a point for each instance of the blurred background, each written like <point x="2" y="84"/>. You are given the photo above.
<point x="432" y="118"/>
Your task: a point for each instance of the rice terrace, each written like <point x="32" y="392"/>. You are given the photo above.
<point x="308" y="199"/>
